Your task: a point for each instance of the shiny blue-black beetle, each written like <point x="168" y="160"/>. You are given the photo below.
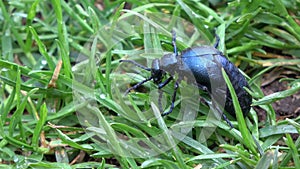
<point x="205" y="63"/>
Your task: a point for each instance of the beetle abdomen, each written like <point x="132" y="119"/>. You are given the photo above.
<point x="205" y="63"/>
<point x="238" y="82"/>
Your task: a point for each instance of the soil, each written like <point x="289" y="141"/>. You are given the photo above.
<point x="288" y="107"/>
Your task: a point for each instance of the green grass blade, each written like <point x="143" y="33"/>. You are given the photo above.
<point x="65" y="59"/>
<point x="248" y="140"/>
<point x="294" y="150"/>
<point x="168" y="137"/>
<point x="17" y="116"/>
<point x="278" y="95"/>
<point x="76" y="17"/>
<point x="15" y="32"/>
<point x="42" y="48"/>
<point x="39" y="125"/>
<point x="61" y="28"/>
<point x="196" y="21"/>
<point x="73" y="143"/>
<point x="265" y="161"/>
<point x="287" y="158"/>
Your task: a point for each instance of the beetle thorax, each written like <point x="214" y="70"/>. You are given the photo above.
<point x="169" y="63"/>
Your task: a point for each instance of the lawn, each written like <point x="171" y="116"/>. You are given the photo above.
<point x="63" y="93"/>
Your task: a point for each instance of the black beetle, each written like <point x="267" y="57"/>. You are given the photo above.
<point x="205" y="63"/>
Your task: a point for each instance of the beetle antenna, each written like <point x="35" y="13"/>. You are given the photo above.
<point x="136" y="64"/>
<point x="217" y="40"/>
<point x="174" y="42"/>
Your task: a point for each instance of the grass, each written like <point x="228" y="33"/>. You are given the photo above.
<point x="74" y="114"/>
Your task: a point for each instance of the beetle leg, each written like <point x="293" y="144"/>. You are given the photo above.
<point x="202" y="87"/>
<point x="174" y="42"/>
<point x="136" y="64"/>
<point x="224" y="116"/>
<point x="227" y="121"/>
<point x="217" y="41"/>
<point x="161" y="85"/>
<point x="164" y="83"/>
<point x="173" y="100"/>
<point x="137" y="85"/>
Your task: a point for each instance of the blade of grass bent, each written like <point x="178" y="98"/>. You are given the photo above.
<point x="248" y="140"/>
<point x="168" y="136"/>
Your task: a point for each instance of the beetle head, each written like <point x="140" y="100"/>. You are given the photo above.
<point x="156" y="72"/>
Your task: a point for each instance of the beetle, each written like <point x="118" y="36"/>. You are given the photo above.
<point x="205" y="64"/>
